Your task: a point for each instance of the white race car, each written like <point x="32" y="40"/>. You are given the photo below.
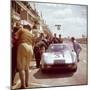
<point x="59" y="56"/>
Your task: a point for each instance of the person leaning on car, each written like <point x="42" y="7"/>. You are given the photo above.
<point x="38" y="50"/>
<point x="76" y="46"/>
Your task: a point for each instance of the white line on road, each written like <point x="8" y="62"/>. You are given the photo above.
<point x="39" y="84"/>
<point x="31" y="84"/>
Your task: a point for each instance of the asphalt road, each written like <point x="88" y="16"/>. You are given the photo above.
<point x="59" y="78"/>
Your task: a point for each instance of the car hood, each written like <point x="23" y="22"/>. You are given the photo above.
<point x="50" y="58"/>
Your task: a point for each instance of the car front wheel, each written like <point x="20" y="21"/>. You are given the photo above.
<point x="74" y="69"/>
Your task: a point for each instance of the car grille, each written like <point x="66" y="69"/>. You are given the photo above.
<point x="59" y="62"/>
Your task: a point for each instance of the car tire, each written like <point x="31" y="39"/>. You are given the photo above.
<point x="43" y="71"/>
<point x="74" y="69"/>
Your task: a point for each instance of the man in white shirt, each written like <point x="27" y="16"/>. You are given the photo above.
<point x="76" y="46"/>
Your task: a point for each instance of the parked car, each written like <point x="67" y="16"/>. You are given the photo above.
<point x="59" y="56"/>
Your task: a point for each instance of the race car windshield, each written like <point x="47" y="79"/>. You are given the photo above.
<point x="57" y="48"/>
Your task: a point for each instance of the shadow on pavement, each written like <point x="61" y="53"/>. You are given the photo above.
<point x="52" y="74"/>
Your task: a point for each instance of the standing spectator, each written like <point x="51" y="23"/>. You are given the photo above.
<point x="24" y="54"/>
<point x="14" y="51"/>
<point x="76" y="46"/>
<point x="41" y="37"/>
<point x="60" y="40"/>
<point x="48" y="41"/>
<point x="37" y="52"/>
<point x="55" y="39"/>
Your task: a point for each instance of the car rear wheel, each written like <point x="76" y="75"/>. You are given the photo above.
<point x="43" y="70"/>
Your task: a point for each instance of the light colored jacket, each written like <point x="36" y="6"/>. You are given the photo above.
<point x="24" y="36"/>
<point x="76" y="46"/>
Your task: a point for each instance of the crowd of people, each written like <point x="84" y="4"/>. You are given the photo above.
<point x="42" y="44"/>
<point x="25" y="45"/>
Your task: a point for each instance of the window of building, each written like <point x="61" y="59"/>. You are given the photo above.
<point x="16" y="7"/>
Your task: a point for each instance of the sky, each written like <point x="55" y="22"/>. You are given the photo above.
<point x="72" y="18"/>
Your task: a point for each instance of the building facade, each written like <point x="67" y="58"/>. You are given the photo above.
<point x="22" y="11"/>
<point x="25" y="12"/>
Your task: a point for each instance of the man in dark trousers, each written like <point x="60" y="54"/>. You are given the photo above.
<point x="38" y="49"/>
